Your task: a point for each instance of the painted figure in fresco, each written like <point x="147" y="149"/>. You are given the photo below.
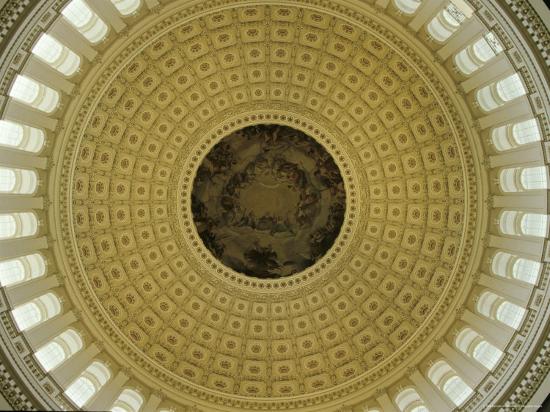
<point x="261" y="260"/>
<point x="268" y="201"/>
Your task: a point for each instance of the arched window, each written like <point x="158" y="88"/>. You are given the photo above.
<point x="487" y="354"/>
<point x="126" y="7"/>
<point x="85" y="21"/>
<point x="476" y="55"/>
<point x="497" y="94"/>
<point x="21" y="137"/>
<point x="7" y="180"/>
<point x="533" y="178"/>
<point x="519" y="223"/>
<point x="8" y="226"/>
<point x="81" y="391"/>
<point x="34" y="94"/>
<point x="61" y="348"/>
<point x="408" y="400"/>
<point x="36" y="311"/>
<point x="21" y="269"/>
<point x="506" y="265"/>
<point x="514" y="135"/>
<point x="14" y="225"/>
<point x="88" y="383"/>
<point x="17" y="181"/>
<point x="526" y="132"/>
<point x="510" y="314"/>
<point x="128" y="401"/>
<point x="534" y="224"/>
<point x="407" y="6"/>
<point x="473" y="345"/>
<point x="448" y="381"/>
<point x="496" y="307"/>
<point x="526" y="270"/>
<point x="56" y="55"/>
<point x="457" y="390"/>
<point x="518" y="179"/>
<point x="448" y="20"/>
<point x="510" y="88"/>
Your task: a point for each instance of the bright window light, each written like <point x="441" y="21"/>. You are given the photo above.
<point x="25" y="89"/>
<point x="85" y="20"/>
<point x="127" y="7"/>
<point x="526" y="132"/>
<point x="34" y="94"/>
<point x="534" y="224"/>
<point x="27" y="315"/>
<point x="81" y="391"/>
<point x="21" y="269"/>
<point x="533" y="178"/>
<point x="8" y="226"/>
<point x="457" y="390"/>
<point x="510" y="88"/>
<point x="36" y="311"/>
<point x="7" y="180"/>
<point x="487" y="354"/>
<point x="17" y="136"/>
<point x="510" y="314"/>
<point x="526" y="270"/>
<point x="88" y="383"/>
<point x="14" y="225"/>
<point x="407" y="6"/>
<point x="56" y="55"/>
<point x="59" y="349"/>
<point x="128" y="401"/>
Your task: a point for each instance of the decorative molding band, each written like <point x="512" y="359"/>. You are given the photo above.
<point x="535" y="27"/>
<point x="10" y="15"/>
<point x="11" y="391"/>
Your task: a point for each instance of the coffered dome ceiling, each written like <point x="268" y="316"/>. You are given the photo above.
<point x="270" y="206"/>
<point x="357" y="313"/>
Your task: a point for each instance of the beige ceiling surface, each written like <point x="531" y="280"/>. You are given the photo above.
<point x="196" y="326"/>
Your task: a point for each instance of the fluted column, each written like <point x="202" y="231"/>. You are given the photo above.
<point x="470" y="371"/>
<point x="527" y="247"/>
<point x="63" y="31"/>
<point x="47" y="75"/>
<point x="511" y="112"/>
<point x="75" y="365"/>
<point x="152" y="403"/>
<point x="524" y="154"/>
<point x="522" y="201"/>
<point x="18" y="203"/>
<point x="467" y="34"/>
<point x="431" y="397"/>
<point x="22" y="113"/>
<point x="495" y="332"/>
<point x="513" y="290"/>
<point x="26" y="291"/>
<point x="21" y="159"/>
<point x="386" y="403"/>
<point x="46" y="331"/>
<point x="495" y="69"/>
<point x="107" y="11"/>
<point x="20" y="247"/>
<point x="426" y="11"/>
<point x="109" y="393"/>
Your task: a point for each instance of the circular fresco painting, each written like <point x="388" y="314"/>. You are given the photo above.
<point x="268" y="201"/>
